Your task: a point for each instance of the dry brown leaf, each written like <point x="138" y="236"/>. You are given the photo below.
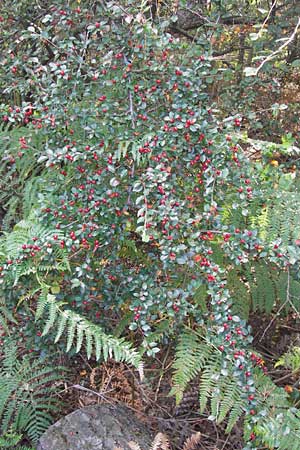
<point x="160" y="442"/>
<point x="192" y="442"/>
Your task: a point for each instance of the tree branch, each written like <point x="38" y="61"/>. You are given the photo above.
<point x="279" y="50"/>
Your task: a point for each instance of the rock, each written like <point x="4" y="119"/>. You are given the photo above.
<point x="97" y="427"/>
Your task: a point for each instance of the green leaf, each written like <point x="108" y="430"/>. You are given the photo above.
<point x="250" y="72"/>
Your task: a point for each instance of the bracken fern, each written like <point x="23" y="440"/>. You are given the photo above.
<point x="218" y="389"/>
<point x="27" y="393"/>
<point x="80" y="330"/>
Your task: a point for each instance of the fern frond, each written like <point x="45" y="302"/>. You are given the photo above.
<point x="209" y="380"/>
<point x="23" y="233"/>
<point x="42" y="302"/>
<point x="26" y="393"/>
<point x="8" y="411"/>
<point x="218" y="388"/>
<point x="230" y="398"/>
<point x="5" y="317"/>
<point x="240" y="294"/>
<point x="281" y="432"/>
<point x="280" y="218"/>
<point x="290" y="359"/>
<point x="77" y="327"/>
<point x="10" y="440"/>
<point x="263" y="290"/>
<point x="258" y="287"/>
<point x="237" y="411"/>
<point x="191" y="356"/>
<point x="37" y="423"/>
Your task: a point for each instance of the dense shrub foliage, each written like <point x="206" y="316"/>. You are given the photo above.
<point x="139" y="209"/>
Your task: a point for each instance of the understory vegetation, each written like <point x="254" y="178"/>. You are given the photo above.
<point x="150" y="211"/>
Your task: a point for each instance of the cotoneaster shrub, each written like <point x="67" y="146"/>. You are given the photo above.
<point x="136" y="171"/>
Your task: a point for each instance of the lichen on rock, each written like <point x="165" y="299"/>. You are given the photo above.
<point x="97" y="427"/>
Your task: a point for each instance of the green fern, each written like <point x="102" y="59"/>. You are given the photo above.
<point x="233" y="215"/>
<point x="227" y="400"/>
<point x="263" y="289"/>
<point x="27" y="389"/>
<point x="282" y="431"/>
<point x="11" y="441"/>
<point x="25" y="232"/>
<point x="130" y="250"/>
<point x="279" y="426"/>
<point x="280" y="218"/>
<point x="5" y="316"/>
<point x="220" y="393"/>
<point x="290" y="359"/>
<point x="192" y="352"/>
<point x="81" y="332"/>
<point x="258" y="287"/>
<point x="211" y="383"/>
<point x="22" y="182"/>
<point x="275" y="212"/>
<point x="218" y="389"/>
<point x="262" y="222"/>
<point x="240" y="294"/>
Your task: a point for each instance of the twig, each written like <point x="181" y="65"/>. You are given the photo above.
<point x="184" y="33"/>
<point x="225" y="443"/>
<point x="90" y="391"/>
<point x="267" y="18"/>
<point x="162" y="374"/>
<point x="200" y="16"/>
<point x="285" y="44"/>
<point x="288" y="300"/>
<point x="286" y="376"/>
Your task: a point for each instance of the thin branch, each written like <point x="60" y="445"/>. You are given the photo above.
<point x="232" y="49"/>
<point x="182" y="32"/>
<point x="200" y="16"/>
<point x="90" y="391"/>
<point x="287" y="376"/>
<point x="288" y="300"/>
<point x="267" y="18"/>
<point x="279" y="50"/>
